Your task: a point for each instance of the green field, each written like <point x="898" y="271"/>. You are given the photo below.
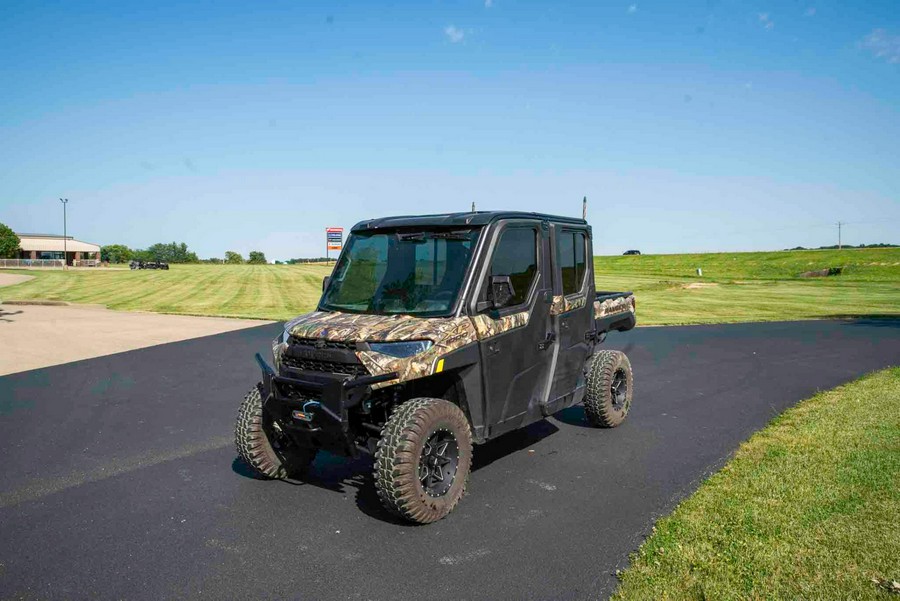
<point x="806" y="509"/>
<point x="255" y="291"/>
<point x="734" y="287"/>
<point x="755" y="286"/>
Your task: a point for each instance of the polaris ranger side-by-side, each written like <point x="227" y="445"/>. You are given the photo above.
<point x="434" y="333"/>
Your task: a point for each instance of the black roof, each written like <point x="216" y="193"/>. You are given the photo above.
<point x="476" y="218"/>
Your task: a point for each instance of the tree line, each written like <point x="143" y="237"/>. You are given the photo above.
<point x="836" y="247"/>
<point x="311" y="260"/>
<point x="173" y="252"/>
<point x="170" y="252"/>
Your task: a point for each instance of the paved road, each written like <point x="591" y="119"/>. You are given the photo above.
<point x="119" y="479"/>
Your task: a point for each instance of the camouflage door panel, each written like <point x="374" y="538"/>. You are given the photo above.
<point x="564" y="304"/>
<point x="487" y="327"/>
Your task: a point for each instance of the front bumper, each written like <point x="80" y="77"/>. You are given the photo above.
<point x="319" y="417"/>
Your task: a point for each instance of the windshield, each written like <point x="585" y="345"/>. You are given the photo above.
<point x="414" y="273"/>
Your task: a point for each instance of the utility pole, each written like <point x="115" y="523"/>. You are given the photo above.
<point x="839" y="224"/>
<point x="64" y="202"/>
<point x="584" y="208"/>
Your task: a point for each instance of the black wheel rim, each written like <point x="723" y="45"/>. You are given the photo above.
<point x="438" y="462"/>
<point x="619" y="390"/>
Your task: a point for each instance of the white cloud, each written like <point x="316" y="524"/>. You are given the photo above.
<point x="809" y="12"/>
<point x="488" y="3"/>
<point x="766" y="21"/>
<point x="454" y="34"/>
<point x="883" y="45"/>
<point x="632" y="8"/>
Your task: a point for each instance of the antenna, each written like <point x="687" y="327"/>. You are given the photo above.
<point x="584" y="208"/>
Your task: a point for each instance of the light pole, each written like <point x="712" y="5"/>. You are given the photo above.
<point x="64" y="202"/>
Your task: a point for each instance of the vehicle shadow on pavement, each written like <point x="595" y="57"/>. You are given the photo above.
<point x="512" y="442"/>
<point x="573" y="416"/>
<point x="338" y="474"/>
<point x="875" y="320"/>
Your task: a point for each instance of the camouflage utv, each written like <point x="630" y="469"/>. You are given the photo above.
<point x="435" y="333"/>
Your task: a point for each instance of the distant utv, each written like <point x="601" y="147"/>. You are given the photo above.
<point x="631" y="252"/>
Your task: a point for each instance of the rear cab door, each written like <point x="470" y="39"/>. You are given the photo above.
<point x="572" y="313"/>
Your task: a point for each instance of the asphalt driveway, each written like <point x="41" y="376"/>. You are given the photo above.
<point x="119" y="478"/>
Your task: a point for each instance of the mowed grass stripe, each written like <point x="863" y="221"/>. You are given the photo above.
<point x="187" y="292"/>
<point x="734" y="287"/>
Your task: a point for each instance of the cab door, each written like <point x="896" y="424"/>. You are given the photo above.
<point x="573" y="314"/>
<point x="516" y="339"/>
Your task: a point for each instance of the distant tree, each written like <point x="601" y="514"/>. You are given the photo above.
<point x="257" y="258"/>
<point x="172" y="252"/>
<point x="233" y="258"/>
<point x="277" y="262"/>
<point x="9" y="243"/>
<point x="139" y="254"/>
<point x="213" y="260"/>
<point x="115" y="253"/>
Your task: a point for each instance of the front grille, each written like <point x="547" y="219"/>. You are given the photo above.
<point x="318" y="343"/>
<point x="295" y="393"/>
<point x="334" y="367"/>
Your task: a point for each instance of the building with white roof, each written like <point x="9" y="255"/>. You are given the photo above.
<point x="51" y="246"/>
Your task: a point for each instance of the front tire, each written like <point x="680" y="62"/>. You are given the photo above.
<point x="423" y="460"/>
<point x="260" y="443"/>
<point x="610" y="386"/>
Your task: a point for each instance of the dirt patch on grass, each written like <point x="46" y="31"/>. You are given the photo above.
<point x="697" y="285"/>
<point x="11" y="279"/>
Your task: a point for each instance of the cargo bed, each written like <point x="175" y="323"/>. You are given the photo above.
<point x="614" y="311"/>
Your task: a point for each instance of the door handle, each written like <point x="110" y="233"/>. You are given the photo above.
<point x="546" y="342"/>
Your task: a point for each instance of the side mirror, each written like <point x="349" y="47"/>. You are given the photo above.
<point x="325" y="281"/>
<point x="501" y="291"/>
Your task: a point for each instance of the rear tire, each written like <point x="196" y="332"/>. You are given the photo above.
<point x="423" y="460"/>
<point x="268" y="452"/>
<point x="610" y="385"/>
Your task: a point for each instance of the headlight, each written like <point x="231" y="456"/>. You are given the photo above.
<point x="401" y="350"/>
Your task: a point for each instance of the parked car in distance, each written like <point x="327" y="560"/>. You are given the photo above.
<point x="631" y="252"/>
<point x="149" y="265"/>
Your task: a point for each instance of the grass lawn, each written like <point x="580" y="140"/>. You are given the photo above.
<point x="255" y="291"/>
<point x="807" y="509"/>
<point x="734" y="287"/>
<point x="755" y="286"/>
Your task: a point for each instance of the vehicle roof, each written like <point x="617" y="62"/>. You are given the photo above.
<point x="476" y="218"/>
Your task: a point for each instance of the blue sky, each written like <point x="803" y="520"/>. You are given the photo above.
<point x="690" y="126"/>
